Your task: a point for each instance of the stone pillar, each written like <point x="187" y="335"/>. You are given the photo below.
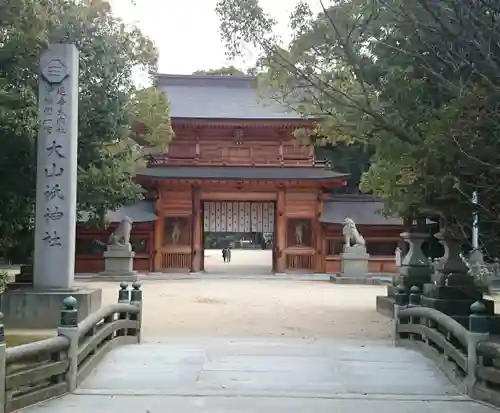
<point x="55" y="231"/>
<point x="197" y="234"/>
<point x="280" y="243"/>
<point x="415" y="269"/>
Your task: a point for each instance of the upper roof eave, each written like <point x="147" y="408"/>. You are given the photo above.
<point x="172" y="77"/>
<point x="221" y="97"/>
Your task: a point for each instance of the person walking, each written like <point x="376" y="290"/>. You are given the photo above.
<point x="228" y="254"/>
<point x="224" y="254"/>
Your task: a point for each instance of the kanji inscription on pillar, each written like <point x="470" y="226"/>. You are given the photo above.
<point x="57" y="168"/>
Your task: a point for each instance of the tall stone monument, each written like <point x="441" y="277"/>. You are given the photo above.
<point x="55" y="231"/>
<point x="55" y="226"/>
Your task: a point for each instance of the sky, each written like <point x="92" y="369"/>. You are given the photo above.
<point x="186" y="31"/>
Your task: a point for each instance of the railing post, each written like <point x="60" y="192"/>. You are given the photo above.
<point x="478" y="331"/>
<point x="415" y="296"/>
<point x="69" y="328"/>
<point x="414" y="301"/>
<point x="399" y="304"/>
<point x="136" y="299"/>
<point x="3" y="367"/>
<point x="401" y="297"/>
<point x="123" y="293"/>
<point x="123" y="298"/>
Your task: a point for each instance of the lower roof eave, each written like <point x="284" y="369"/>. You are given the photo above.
<point x="227" y="173"/>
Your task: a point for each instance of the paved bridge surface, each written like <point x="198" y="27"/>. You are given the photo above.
<point x="264" y="375"/>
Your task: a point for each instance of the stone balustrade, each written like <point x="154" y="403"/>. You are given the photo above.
<point x="49" y="368"/>
<point x="470" y="357"/>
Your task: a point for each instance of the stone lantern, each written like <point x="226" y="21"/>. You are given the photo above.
<point x="453" y="290"/>
<point x="415" y="268"/>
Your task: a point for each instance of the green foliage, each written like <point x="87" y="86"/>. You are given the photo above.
<point x="232" y="71"/>
<point x="150" y="114"/>
<point x="4" y="280"/>
<point x="417" y="82"/>
<point x="353" y="159"/>
<point x="112" y="112"/>
<point x="18" y="121"/>
<point x="223" y="71"/>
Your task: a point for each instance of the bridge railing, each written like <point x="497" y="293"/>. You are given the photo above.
<point x="49" y="368"/>
<point x="488" y="372"/>
<point x="468" y="356"/>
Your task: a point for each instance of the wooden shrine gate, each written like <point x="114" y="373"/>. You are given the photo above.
<point x="226" y="221"/>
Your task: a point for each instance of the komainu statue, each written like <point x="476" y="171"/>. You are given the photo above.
<point x="121" y="236"/>
<point x="351" y="235"/>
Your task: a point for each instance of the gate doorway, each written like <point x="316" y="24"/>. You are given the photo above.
<point x="247" y="228"/>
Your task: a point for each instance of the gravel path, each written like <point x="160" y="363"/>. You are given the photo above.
<point x="258" y="308"/>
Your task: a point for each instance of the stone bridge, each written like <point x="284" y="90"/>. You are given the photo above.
<point x="241" y="375"/>
<point x="103" y="365"/>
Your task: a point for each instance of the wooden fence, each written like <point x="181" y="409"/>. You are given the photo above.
<point x="44" y="369"/>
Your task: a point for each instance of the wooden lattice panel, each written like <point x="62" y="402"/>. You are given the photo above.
<point x="238" y="217"/>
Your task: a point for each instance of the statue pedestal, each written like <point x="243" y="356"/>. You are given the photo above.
<point x="119" y="263"/>
<point x="354" y="262"/>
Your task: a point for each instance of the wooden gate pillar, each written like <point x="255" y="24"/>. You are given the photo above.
<point x="158" y="237"/>
<point x="318" y="237"/>
<point x="197" y="234"/>
<point x="280" y="243"/>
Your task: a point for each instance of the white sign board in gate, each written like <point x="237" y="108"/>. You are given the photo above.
<point x="238" y="217"/>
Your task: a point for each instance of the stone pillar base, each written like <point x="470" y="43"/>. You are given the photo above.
<point x="415" y="275"/>
<point x="118" y="276"/>
<point x="454" y="300"/>
<point x="354" y="262"/>
<point x="119" y="263"/>
<point x="40" y="309"/>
